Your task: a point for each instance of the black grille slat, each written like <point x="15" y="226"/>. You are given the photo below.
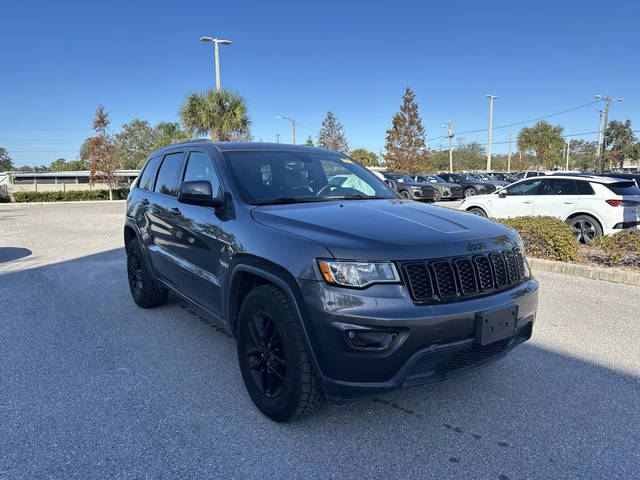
<point x="476" y="354"/>
<point x="445" y="280"/>
<point x="512" y="268"/>
<point x="499" y="269"/>
<point x="420" y="283"/>
<point x="466" y="276"/>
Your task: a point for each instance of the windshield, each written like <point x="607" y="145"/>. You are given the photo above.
<point x="481" y="176"/>
<point x="433" y="179"/>
<point x="272" y="176"/>
<point x="401" y="177"/>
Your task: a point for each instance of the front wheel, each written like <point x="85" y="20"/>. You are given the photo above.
<point x="437" y="196"/>
<point x="273" y="358"/>
<point x="469" y="192"/>
<point x="405" y="194"/>
<point x="477" y="211"/>
<point x="585" y="229"/>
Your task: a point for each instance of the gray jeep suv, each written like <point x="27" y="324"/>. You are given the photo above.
<point x="333" y="289"/>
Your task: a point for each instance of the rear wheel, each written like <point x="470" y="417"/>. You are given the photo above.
<point x="585" y="228"/>
<point x="273" y="359"/>
<point x="477" y="211"/>
<point x="144" y="290"/>
<point x="470" y="192"/>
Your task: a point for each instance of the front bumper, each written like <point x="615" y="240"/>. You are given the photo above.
<point x="433" y="343"/>
<point x="423" y="194"/>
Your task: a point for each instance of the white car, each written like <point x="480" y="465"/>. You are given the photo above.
<point x="590" y="205"/>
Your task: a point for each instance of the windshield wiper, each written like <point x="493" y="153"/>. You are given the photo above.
<point x="358" y="196"/>
<point x="285" y="200"/>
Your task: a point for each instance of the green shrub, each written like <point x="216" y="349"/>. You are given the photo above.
<point x="70" y="196"/>
<point x="618" y="246"/>
<point x="545" y="237"/>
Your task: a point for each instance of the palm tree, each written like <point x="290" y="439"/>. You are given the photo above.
<point x="542" y="138"/>
<point x="220" y="114"/>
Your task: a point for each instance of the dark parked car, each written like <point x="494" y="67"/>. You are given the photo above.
<point x="444" y="190"/>
<point x="469" y="183"/>
<point x="333" y="289"/>
<point x="407" y="187"/>
<point x="502" y="176"/>
<point x="488" y="178"/>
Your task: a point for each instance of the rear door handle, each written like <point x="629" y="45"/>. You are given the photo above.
<point x="144" y="201"/>
<point x="569" y="202"/>
<point x="175" y="211"/>
<point x="528" y="201"/>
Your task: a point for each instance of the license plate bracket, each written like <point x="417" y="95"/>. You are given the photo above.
<point x="495" y="325"/>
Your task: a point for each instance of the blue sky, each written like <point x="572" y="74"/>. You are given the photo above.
<point x="140" y="58"/>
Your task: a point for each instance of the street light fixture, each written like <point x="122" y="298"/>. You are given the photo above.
<point x="491" y="99"/>
<point x="216" y="41"/>
<point x="293" y="127"/>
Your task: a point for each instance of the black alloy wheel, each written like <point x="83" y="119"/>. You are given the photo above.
<point x="265" y="354"/>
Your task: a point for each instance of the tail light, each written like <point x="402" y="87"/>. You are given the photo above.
<point x="623" y="203"/>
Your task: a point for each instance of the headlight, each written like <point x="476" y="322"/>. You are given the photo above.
<point x="358" y="274"/>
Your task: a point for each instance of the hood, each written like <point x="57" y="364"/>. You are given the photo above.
<point x="415" y="184"/>
<point x="448" y="184"/>
<point x="386" y="229"/>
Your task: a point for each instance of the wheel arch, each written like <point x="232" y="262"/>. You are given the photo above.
<point x="587" y="214"/>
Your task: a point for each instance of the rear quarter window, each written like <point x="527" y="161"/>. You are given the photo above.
<point x="623" y="188"/>
<point x="584" y="188"/>
<point x="149" y="174"/>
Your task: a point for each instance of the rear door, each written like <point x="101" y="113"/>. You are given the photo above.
<point x="163" y="212"/>
<point x="558" y="198"/>
<point x="518" y="201"/>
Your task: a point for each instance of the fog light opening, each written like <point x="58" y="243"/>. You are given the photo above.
<point x="370" y="339"/>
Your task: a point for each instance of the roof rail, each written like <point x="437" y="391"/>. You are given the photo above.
<point x="195" y="140"/>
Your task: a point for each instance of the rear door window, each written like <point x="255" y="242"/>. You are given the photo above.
<point x="560" y="186"/>
<point x="167" y="181"/>
<point x="623" y="188"/>
<point x="149" y="174"/>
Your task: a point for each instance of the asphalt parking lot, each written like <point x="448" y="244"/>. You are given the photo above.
<point x="93" y="387"/>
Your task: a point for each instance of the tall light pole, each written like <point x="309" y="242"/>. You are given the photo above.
<point x="509" y="157"/>
<point x="491" y="99"/>
<point x="568" y="146"/>
<point x="604" y="129"/>
<point x="599" y="144"/>
<point x="293" y="127"/>
<point x="216" y="41"/>
<point x="450" y="135"/>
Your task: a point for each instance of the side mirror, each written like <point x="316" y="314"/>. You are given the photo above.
<point x="198" y="193"/>
<point x="502" y="194"/>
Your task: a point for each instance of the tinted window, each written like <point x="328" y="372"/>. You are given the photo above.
<point x="296" y="176"/>
<point x="167" y="181"/>
<point x="584" y="188"/>
<point x="200" y="168"/>
<point x="528" y="187"/>
<point x="149" y="173"/>
<point x="623" y="188"/>
<point x="560" y="186"/>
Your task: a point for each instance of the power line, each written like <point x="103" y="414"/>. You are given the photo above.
<point x="520" y="123"/>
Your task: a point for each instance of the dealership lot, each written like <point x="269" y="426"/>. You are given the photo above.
<point x="92" y="386"/>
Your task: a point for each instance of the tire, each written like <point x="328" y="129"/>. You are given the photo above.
<point x="470" y="192"/>
<point x="585" y="228"/>
<point x="405" y="194"/>
<point x="477" y="211"/>
<point x="144" y="290"/>
<point x="437" y="196"/>
<point x="273" y="358"/>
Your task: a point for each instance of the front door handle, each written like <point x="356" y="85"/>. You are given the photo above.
<point x="528" y="201"/>
<point x="176" y="211"/>
<point x="144" y="201"/>
<point x="569" y="202"/>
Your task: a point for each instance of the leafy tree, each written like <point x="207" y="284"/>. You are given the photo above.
<point x="61" y="165"/>
<point x="440" y="160"/>
<point x="405" y="148"/>
<point x="133" y="144"/>
<point x="582" y="154"/>
<point x="220" y="114"/>
<point x="331" y="135"/>
<point x="365" y="157"/>
<point x="620" y="143"/>
<point x="545" y="140"/>
<point x="6" y="163"/>
<point x="469" y="156"/>
<point x="309" y="141"/>
<point x="100" y="151"/>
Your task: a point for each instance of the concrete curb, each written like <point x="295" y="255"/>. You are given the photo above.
<point x="596" y="273"/>
<point x="58" y="203"/>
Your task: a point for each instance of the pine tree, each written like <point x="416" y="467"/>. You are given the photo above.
<point x="309" y="141"/>
<point x="405" y="147"/>
<point x="331" y="135"/>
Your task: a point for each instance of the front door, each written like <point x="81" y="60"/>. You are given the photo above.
<point x="518" y="201"/>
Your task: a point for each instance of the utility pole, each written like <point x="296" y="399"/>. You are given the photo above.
<point x="491" y="99"/>
<point x="216" y="41"/>
<point x="599" y="140"/>
<point x="604" y="129"/>
<point x="509" y="156"/>
<point x="450" y="133"/>
<point x="293" y="127"/>
<point x="568" y="146"/>
<point x="277" y="138"/>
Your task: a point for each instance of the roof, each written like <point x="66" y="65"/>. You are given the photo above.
<point x="228" y="146"/>
<point x="590" y="178"/>
<point x="71" y="173"/>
